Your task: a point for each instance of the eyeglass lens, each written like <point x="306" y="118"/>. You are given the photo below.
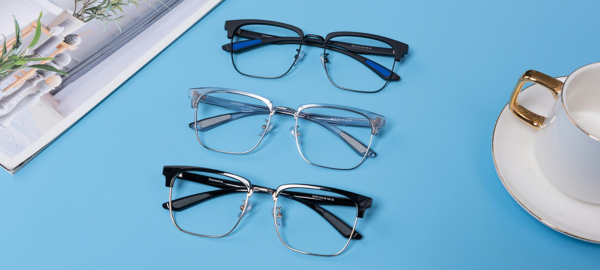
<point x="231" y="122"/>
<point x="333" y="137"/>
<point x="318" y="228"/>
<point x="351" y="63"/>
<point x="264" y="50"/>
<point x="207" y="204"/>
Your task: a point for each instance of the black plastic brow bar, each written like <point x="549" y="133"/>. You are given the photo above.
<point x="228" y="187"/>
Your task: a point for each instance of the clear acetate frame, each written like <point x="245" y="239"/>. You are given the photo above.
<point x="363" y="148"/>
<point x="312" y="201"/>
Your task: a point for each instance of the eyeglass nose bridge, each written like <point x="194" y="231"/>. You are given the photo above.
<point x="263" y="190"/>
<point x="312" y="38"/>
<point x="285" y="110"/>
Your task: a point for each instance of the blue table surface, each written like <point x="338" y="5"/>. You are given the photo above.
<point x="92" y="199"/>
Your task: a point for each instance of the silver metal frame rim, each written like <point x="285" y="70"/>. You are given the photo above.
<point x="308" y="106"/>
<point x="231" y="91"/>
<point x="236" y="177"/>
<point x="289" y="186"/>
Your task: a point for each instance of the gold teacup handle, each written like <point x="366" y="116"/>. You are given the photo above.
<point x="531" y="118"/>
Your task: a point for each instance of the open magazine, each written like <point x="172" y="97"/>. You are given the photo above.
<point x="37" y="106"/>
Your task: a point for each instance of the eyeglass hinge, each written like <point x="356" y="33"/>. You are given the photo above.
<point x="377" y="124"/>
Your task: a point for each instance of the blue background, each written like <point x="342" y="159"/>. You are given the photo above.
<point x="92" y="199"/>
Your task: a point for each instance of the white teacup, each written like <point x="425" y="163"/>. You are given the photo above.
<point x="567" y="144"/>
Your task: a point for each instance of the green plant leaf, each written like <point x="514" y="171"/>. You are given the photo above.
<point x="38" y="59"/>
<point x="38" y="32"/>
<point x="7" y="65"/>
<point x="20" y="63"/>
<point x="3" y="50"/>
<point x="105" y="10"/>
<point x="18" y="40"/>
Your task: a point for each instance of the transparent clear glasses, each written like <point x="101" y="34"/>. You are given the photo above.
<point x="309" y="219"/>
<point x="353" y="61"/>
<point x="330" y="136"/>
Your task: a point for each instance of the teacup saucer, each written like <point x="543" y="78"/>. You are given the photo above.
<point x="513" y="152"/>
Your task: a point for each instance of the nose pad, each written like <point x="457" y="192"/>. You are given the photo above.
<point x="295" y="134"/>
<point x="324" y="60"/>
<point x="299" y="56"/>
<point x="278" y="217"/>
<point x="265" y="128"/>
<point x="243" y="209"/>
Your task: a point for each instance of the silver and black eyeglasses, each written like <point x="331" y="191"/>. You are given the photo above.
<point x="353" y="61"/>
<point x="309" y="219"/>
<point x="330" y="136"/>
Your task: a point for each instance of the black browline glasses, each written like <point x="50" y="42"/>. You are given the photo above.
<point x="353" y="61"/>
<point x="309" y="219"/>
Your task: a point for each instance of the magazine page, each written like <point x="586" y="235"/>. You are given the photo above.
<point x="81" y="60"/>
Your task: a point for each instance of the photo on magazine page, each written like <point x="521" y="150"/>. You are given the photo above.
<point x="60" y="58"/>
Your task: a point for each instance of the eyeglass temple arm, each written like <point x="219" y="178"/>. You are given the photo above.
<point x="189" y="201"/>
<point x="229" y="187"/>
<point x="207" y="124"/>
<point x="354" y="48"/>
<point x="246" y="109"/>
<point x="354" y="143"/>
<point x="339" y="225"/>
<point x="259" y="40"/>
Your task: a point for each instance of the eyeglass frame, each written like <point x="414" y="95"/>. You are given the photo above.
<point x="362" y="203"/>
<point x="399" y="49"/>
<point x="376" y="121"/>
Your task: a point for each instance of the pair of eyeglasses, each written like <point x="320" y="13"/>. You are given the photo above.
<point x="309" y="219"/>
<point x="353" y="61"/>
<point x="330" y="136"/>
